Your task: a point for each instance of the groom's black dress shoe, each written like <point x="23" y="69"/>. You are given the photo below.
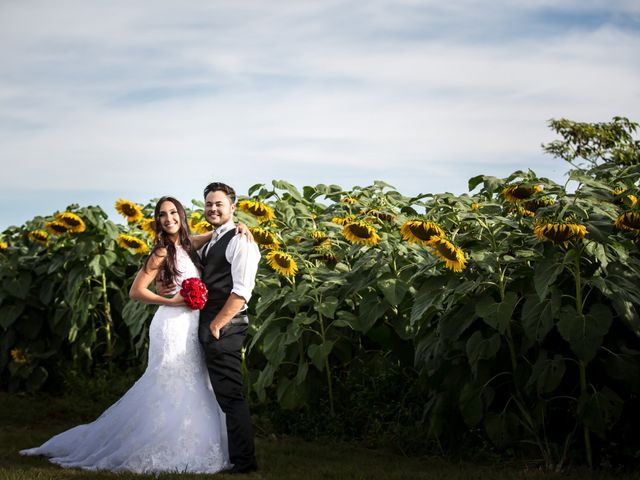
<point x="243" y="468"/>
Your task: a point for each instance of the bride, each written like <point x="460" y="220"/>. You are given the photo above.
<point x="169" y="420"/>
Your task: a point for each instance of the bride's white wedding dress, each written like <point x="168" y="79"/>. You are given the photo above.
<point x="168" y="421"/>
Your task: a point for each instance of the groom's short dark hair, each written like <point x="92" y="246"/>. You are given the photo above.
<point x="223" y="187"/>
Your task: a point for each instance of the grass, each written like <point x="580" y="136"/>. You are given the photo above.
<point x="28" y="420"/>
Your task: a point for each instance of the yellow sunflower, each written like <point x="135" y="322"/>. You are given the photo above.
<point x="523" y="212"/>
<point x="380" y="215"/>
<point x="536" y="204"/>
<point x="349" y="199"/>
<point x="453" y="256"/>
<point x="264" y="238"/>
<point x="628" y="221"/>
<point x="621" y="196"/>
<point x="560" y="233"/>
<point x="194" y="218"/>
<point x="18" y="356"/>
<point x="3" y="246"/>
<point x="39" y="236"/>
<point x="148" y="225"/>
<point x="520" y="192"/>
<point x="74" y="223"/>
<point x="343" y="220"/>
<point x="320" y="240"/>
<point x="56" y="227"/>
<point x="329" y="257"/>
<point x="132" y="243"/>
<point x="202" y="227"/>
<point x="360" y="232"/>
<point x="129" y="210"/>
<point x="282" y="262"/>
<point x="420" y="231"/>
<point x="261" y="211"/>
<point x="475" y="207"/>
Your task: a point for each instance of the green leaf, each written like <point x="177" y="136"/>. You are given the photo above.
<point x="372" y="307"/>
<point x="293" y="191"/>
<point x="274" y="348"/>
<point x="319" y="353"/>
<point x="601" y="410"/>
<point x="501" y="428"/>
<point x="290" y="394"/>
<point x="585" y="334"/>
<point x="546" y="373"/>
<point x="303" y="369"/>
<point x="480" y="348"/>
<point x="453" y="322"/>
<point x="46" y="291"/>
<point x="19" y="286"/>
<point x="428" y="294"/>
<point x="10" y="313"/>
<point x="497" y="314"/>
<point x="545" y="274"/>
<point x="538" y="315"/>
<point x="393" y="289"/>
<point x="327" y="307"/>
<point x="135" y="314"/>
<point x="491" y="184"/>
<point x="473" y="402"/>
<point x="265" y="380"/>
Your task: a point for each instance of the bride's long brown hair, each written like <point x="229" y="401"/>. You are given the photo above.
<point x="169" y="269"/>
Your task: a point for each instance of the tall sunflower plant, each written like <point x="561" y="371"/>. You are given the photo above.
<point x="60" y="292"/>
<point x="310" y="322"/>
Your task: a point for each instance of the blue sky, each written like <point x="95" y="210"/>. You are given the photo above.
<point x="103" y="100"/>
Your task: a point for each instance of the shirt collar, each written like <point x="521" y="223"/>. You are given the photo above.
<point x="222" y="229"/>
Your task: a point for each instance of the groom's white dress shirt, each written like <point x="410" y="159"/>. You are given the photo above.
<point x="243" y="256"/>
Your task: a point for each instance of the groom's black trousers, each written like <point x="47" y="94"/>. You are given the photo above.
<point x="224" y="362"/>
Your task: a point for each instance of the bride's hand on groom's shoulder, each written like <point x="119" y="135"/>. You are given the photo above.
<point x="242" y="229"/>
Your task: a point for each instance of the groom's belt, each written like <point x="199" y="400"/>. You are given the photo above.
<point x="240" y="318"/>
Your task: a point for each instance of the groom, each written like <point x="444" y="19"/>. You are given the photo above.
<point x="230" y="263"/>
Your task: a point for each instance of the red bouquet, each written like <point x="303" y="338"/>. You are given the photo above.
<point x="194" y="292"/>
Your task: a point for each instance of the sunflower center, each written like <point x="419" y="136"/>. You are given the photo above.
<point x="361" y="231"/>
<point x="631" y="220"/>
<point x="129" y="210"/>
<point x="423" y="231"/>
<point x="446" y="251"/>
<point x="71" y="221"/>
<point x="282" y="261"/>
<point x="131" y="243"/>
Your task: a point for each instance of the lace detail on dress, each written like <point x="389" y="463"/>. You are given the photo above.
<point x="168" y="421"/>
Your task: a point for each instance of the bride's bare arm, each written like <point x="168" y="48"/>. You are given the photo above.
<point x="140" y="288"/>
<point x="198" y="241"/>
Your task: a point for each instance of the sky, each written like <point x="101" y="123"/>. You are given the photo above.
<point x="120" y="99"/>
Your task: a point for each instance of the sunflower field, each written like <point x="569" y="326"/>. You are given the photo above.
<point x="505" y="320"/>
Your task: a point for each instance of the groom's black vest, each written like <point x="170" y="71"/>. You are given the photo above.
<point x="216" y="272"/>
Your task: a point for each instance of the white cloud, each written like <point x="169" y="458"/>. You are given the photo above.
<point x="141" y="97"/>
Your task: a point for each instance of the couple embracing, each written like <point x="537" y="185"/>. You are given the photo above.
<point x="187" y="412"/>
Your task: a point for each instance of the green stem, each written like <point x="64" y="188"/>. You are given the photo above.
<point x="502" y="287"/>
<point x="583" y="367"/>
<point x="585" y="429"/>
<point x="108" y="321"/>
<point x="327" y="367"/>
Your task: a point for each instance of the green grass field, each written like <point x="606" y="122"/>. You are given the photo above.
<point x="28" y="420"/>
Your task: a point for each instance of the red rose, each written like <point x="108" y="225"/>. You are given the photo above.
<point x="194" y="292"/>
